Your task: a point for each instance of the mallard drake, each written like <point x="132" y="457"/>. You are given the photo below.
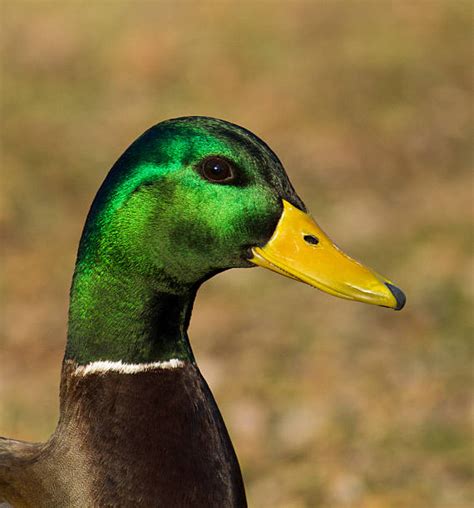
<point x="138" y="424"/>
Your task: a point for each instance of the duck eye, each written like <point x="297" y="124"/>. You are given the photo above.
<point x="216" y="169"/>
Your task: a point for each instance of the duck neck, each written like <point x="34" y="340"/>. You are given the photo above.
<point x="122" y="317"/>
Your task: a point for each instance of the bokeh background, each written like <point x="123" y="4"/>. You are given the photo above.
<point x="368" y="104"/>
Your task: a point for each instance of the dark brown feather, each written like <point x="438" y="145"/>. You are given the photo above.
<point x="152" y="438"/>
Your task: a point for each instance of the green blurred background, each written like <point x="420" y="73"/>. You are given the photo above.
<point x="368" y="104"/>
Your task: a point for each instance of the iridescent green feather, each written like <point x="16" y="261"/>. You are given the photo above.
<point x="157" y="229"/>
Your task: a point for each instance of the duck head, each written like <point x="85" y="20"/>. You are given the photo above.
<point x="195" y="196"/>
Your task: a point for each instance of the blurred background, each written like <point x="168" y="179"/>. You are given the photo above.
<point x="368" y="104"/>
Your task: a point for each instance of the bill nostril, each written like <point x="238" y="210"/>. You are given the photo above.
<point x="311" y="239"/>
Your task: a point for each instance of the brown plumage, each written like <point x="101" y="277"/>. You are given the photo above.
<point x="117" y="434"/>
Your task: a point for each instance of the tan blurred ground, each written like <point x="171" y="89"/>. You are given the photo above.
<point x="368" y="104"/>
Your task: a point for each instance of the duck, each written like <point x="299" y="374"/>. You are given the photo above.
<point x="138" y="425"/>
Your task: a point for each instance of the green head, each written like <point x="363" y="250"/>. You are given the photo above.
<point x="192" y="197"/>
<point x="189" y="198"/>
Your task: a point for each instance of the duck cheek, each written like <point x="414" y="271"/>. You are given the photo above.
<point x="260" y="228"/>
<point x="191" y="237"/>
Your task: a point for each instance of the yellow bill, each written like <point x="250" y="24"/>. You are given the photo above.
<point x="301" y="250"/>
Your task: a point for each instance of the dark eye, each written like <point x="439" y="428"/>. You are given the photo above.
<point x="216" y="169"/>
